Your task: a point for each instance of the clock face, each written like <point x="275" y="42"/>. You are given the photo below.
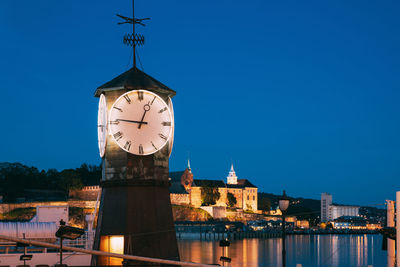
<point x="140" y="122"/>
<point x="171" y="139"/>
<point x="102" y="125"/>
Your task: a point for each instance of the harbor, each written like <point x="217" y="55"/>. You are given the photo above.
<point x="199" y="133"/>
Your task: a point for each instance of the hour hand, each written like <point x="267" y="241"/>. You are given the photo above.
<point x="118" y="120"/>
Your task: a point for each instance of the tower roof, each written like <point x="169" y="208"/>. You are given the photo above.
<point x="188" y="166"/>
<point x="134" y="79"/>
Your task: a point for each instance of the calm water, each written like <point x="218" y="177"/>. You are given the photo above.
<point x="318" y="250"/>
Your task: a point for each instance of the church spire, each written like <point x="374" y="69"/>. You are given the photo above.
<point x="188" y="165"/>
<point x="232" y="178"/>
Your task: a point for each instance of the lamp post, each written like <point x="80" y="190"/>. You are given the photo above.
<point x="67" y="232"/>
<point x="283" y="206"/>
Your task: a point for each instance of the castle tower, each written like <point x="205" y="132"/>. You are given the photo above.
<point x="232" y="178"/>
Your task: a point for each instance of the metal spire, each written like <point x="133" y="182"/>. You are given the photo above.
<point x="133" y="39"/>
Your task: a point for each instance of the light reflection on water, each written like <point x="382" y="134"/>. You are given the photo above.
<point x="316" y="250"/>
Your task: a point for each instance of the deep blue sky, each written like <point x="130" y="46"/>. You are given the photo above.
<point x="302" y="96"/>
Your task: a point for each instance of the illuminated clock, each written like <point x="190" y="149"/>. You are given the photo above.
<point x="171" y="139"/>
<point x="140" y="122"/>
<point x="102" y="124"/>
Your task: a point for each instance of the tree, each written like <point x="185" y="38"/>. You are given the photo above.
<point x="70" y="179"/>
<point x="231" y="200"/>
<point x="209" y="195"/>
<point x="264" y="203"/>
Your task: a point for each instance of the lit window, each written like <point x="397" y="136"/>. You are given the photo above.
<point x="112" y="244"/>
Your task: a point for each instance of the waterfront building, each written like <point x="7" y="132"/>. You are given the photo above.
<point x="303" y="224"/>
<point x="330" y="212"/>
<point x="350" y="222"/>
<point x="184" y="189"/>
<point x="336" y="211"/>
<point x="326" y="201"/>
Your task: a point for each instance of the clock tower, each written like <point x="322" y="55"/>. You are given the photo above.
<point x="135" y="132"/>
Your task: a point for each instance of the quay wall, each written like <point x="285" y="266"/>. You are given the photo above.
<point x="226" y="235"/>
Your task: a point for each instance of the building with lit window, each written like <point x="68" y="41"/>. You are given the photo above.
<point x="330" y="212"/>
<point x="186" y="190"/>
<point x="326" y="201"/>
<point x="350" y="222"/>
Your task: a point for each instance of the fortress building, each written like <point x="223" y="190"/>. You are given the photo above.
<point x="185" y="190"/>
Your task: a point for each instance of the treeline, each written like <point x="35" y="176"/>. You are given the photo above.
<point x="302" y="208"/>
<point x="16" y="179"/>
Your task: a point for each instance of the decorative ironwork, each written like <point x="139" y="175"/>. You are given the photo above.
<point x="133" y="39"/>
<point x="132" y="21"/>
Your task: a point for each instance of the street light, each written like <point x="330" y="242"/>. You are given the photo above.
<point x="283" y="206"/>
<point x="67" y="232"/>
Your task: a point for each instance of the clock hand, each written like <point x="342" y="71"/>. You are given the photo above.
<point x="146" y="108"/>
<point x="143" y="122"/>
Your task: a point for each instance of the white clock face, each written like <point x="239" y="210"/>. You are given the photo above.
<point x="171" y="139"/>
<point x="102" y="125"/>
<point x="140" y="122"/>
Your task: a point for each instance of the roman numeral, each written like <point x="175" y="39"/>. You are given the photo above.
<point x="153" y="101"/>
<point x="153" y="145"/>
<point x="140" y="95"/>
<point x="127" y="145"/>
<point x="127" y="99"/>
<point x="114" y="122"/>
<point x="166" y="123"/>
<point x="162" y="136"/>
<point x="162" y="110"/>
<point x="141" y="149"/>
<point x="118" y="135"/>
<point x="120" y="110"/>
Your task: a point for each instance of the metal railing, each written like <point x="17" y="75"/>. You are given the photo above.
<point x="102" y="253"/>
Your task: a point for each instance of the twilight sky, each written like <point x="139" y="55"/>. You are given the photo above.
<point x="302" y="96"/>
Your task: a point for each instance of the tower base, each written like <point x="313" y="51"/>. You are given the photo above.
<point x="135" y="218"/>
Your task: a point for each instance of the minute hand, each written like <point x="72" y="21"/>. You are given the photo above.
<point x="142" y="122"/>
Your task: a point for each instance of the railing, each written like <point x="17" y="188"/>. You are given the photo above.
<point x="85" y="241"/>
<point x="102" y="253"/>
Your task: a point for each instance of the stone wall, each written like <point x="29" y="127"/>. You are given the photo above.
<point x="4" y="208"/>
<point x="223" y="197"/>
<point x="195" y="196"/>
<point x="215" y="212"/>
<point x="238" y="193"/>
<point x="86" y="193"/>
<point x="179" y="199"/>
<point x="250" y="201"/>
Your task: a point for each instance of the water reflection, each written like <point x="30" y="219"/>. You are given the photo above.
<point x="318" y="250"/>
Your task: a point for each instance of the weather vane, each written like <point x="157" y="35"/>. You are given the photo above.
<point x="133" y="39"/>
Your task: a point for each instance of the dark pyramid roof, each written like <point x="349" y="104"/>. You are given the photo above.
<point x="177" y="188"/>
<point x="134" y="79"/>
<point x="245" y="183"/>
<point x="176" y="176"/>
<point x="211" y="183"/>
<point x="241" y="183"/>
